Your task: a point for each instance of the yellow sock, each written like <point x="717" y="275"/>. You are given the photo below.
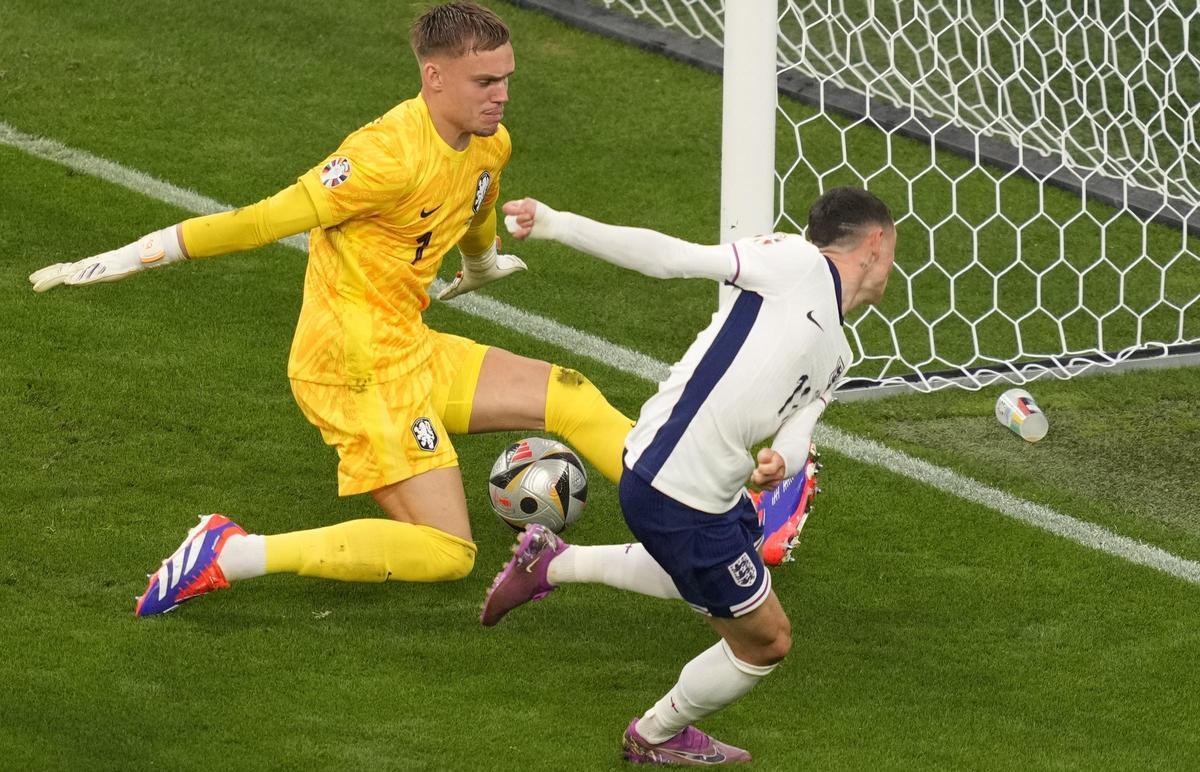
<point x="579" y="413"/>
<point x="373" y="550"/>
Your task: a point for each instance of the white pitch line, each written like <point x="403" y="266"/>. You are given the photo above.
<point x="1079" y="531"/>
<point x="649" y="369"/>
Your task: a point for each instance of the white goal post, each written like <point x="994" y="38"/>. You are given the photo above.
<point x="1042" y="160"/>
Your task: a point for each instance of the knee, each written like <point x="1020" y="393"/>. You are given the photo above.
<point x="566" y="378"/>
<point x="440" y="557"/>
<point x="456" y="565"/>
<point x="769" y="647"/>
<point x="570" y="390"/>
<point x="778" y="647"/>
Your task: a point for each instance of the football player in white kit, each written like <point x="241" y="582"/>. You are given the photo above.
<point x="765" y="367"/>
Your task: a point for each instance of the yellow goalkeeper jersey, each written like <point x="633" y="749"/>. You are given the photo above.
<point x="392" y="200"/>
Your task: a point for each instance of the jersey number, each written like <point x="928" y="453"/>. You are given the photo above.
<point x="423" y="240"/>
<point x="802" y="388"/>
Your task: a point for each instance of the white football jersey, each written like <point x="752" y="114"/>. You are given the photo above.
<point x="774" y="346"/>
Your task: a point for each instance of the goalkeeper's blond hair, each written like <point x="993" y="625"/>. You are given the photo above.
<point x="456" y="29"/>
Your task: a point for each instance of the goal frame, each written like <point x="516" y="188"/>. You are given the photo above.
<point x="748" y="66"/>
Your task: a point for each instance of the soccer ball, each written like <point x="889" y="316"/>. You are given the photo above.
<point x="538" y="481"/>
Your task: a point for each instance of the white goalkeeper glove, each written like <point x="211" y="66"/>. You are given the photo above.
<point x="150" y="251"/>
<point x="482" y="269"/>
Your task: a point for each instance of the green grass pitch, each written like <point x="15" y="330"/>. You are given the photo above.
<point x="930" y="633"/>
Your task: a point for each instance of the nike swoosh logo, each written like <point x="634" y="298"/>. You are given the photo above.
<point x="814" y="321"/>
<point x="529" y="566"/>
<point x="703" y="758"/>
<point x="431" y="211"/>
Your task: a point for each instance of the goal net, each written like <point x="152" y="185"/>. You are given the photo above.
<point x="1042" y="160"/>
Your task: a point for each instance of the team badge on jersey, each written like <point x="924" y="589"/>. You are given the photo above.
<point x="481" y="189"/>
<point x="335" y="172"/>
<point x="743" y="571"/>
<point x="836" y="375"/>
<point x="425" y="434"/>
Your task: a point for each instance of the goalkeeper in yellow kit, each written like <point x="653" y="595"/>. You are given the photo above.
<point x="384" y="389"/>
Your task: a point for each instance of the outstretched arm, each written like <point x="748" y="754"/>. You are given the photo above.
<point x="162" y="247"/>
<point x="639" y="249"/>
<point x="288" y="212"/>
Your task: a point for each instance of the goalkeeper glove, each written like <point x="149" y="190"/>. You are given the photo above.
<point x="150" y="251"/>
<point x="479" y="270"/>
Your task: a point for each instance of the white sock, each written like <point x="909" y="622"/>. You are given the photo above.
<point x="624" y="566"/>
<point x="708" y="683"/>
<point x="243" y="557"/>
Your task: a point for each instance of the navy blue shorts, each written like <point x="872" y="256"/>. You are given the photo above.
<point x="713" y="559"/>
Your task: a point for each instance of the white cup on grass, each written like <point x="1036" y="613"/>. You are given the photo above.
<point x="1016" y="409"/>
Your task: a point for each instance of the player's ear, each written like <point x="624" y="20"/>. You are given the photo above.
<point x="868" y="247"/>
<point x="876" y="243"/>
<point x="431" y="75"/>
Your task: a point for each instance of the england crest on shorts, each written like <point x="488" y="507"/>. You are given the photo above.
<point x="425" y="434"/>
<point x="481" y="189"/>
<point x="743" y="571"/>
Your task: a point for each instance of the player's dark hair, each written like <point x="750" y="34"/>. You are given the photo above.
<point x="457" y="29"/>
<point x="844" y="213"/>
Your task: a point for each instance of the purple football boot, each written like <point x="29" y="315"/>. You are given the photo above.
<point x="523" y="578"/>
<point x="691" y="747"/>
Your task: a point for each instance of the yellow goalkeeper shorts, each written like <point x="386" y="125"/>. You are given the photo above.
<point x="388" y="432"/>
